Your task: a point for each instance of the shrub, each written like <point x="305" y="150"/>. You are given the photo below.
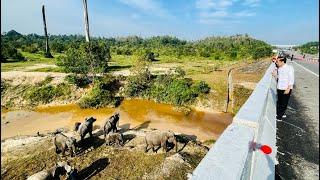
<point x="63" y="89"/>
<point x="180" y="72"/>
<point x="90" y="58"/>
<point x="146" y="55"/>
<point x="139" y="82"/>
<point x="108" y="82"/>
<point x="46" y="93"/>
<point x="10" y="52"/>
<point x="174" y="91"/>
<point x="43" y="94"/>
<point x="179" y="92"/>
<point x="167" y="88"/>
<point x="31" y="48"/>
<point x="78" y="80"/>
<point x="201" y="87"/>
<point x="97" y="98"/>
<point x="102" y="94"/>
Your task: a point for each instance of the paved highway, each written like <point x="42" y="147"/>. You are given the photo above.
<point x="298" y="133"/>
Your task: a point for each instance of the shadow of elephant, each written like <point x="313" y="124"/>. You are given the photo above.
<point x="95" y="167"/>
<point x="128" y="137"/>
<point x="185" y="139"/>
<point x="88" y="143"/>
<point x="144" y="125"/>
<point x="124" y="128"/>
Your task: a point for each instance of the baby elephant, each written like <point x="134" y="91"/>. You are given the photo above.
<point x="114" y="138"/>
<point x="62" y="143"/>
<point x="111" y="124"/>
<point x="160" y="139"/>
<point x="53" y="173"/>
<point x="85" y="127"/>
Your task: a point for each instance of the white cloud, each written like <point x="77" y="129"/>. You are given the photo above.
<point x="217" y="11"/>
<point x="148" y="6"/>
<point x="213" y="4"/>
<point x="244" y="14"/>
<point x="215" y="14"/>
<point x="251" y="3"/>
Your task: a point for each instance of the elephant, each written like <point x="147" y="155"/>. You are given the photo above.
<point x="111" y="124"/>
<point x="53" y="173"/>
<point x="85" y="127"/>
<point x="76" y="126"/>
<point x="73" y="175"/>
<point x="63" y="142"/>
<point x="116" y="138"/>
<point x="160" y="139"/>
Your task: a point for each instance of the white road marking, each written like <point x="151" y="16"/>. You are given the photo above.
<point x="306" y="69"/>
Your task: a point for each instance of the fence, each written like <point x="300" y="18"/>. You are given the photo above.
<point x="232" y="156"/>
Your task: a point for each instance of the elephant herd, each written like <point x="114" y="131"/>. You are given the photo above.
<point x="62" y="143"/>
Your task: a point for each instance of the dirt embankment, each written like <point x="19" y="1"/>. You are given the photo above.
<point x="245" y="75"/>
<point x="24" y="156"/>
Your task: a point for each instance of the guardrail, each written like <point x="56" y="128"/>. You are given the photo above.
<point x="232" y="156"/>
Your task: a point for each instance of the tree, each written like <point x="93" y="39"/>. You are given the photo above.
<point x="47" y="53"/>
<point x="9" y="52"/>
<point x="91" y="58"/>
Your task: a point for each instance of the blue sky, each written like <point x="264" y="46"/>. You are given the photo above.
<point x="274" y="21"/>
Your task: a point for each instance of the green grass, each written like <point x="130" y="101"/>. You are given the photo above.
<point x="32" y="59"/>
<point x="122" y="60"/>
<point x="47" y="69"/>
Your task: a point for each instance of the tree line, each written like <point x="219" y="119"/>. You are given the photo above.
<point x="309" y="47"/>
<point x="234" y="47"/>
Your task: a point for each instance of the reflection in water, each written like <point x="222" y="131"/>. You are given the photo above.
<point x="133" y="113"/>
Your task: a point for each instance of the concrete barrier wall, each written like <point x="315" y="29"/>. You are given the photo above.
<point x="232" y="156"/>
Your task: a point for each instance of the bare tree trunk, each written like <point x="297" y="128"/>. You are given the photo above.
<point x="47" y="53"/>
<point x="230" y="92"/>
<point x="86" y="20"/>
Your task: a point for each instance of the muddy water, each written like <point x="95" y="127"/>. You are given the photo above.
<point x="133" y="114"/>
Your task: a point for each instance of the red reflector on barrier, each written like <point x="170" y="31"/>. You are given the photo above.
<point x="266" y="149"/>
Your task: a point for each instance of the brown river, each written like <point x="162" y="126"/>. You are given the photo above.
<point x="134" y="113"/>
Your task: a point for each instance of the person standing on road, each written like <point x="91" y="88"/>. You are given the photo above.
<point x="285" y="81"/>
<point x="291" y="57"/>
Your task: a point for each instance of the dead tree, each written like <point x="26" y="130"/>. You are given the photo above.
<point x="47" y="53"/>
<point x="86" y="20"/>
<point x="230" y="92"/>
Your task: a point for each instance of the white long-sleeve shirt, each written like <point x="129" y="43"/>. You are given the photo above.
<point x="285" y="77"/>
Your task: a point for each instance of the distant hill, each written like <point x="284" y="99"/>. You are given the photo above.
<point x="13" y="34"/>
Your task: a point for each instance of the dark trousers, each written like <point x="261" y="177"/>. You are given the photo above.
<point x="282" y="102"/>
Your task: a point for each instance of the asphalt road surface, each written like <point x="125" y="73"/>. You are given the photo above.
<point x="298" y="133"/>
